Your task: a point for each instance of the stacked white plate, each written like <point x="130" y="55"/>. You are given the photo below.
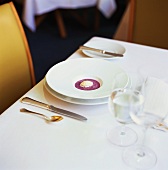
<point x="62" y="79"/>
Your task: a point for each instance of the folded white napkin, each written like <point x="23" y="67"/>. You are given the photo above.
<point x="157" y="97"/>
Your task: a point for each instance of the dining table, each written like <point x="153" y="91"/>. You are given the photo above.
<point x="33" y="8"/>
<point x="28" y="142"/>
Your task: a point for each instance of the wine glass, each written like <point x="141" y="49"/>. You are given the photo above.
<point x="120" y="107"/>
<point x="136" y="80"/>
<point x="141" y="156"/>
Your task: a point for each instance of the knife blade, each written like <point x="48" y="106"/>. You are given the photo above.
<point x="100" y="51"/>
<point x="30" y="101"/>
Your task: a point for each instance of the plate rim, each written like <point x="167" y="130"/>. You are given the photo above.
<point x="93" y="94"/>
<point x="80" y="101"/>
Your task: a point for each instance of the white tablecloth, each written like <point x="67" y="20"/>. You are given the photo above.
<point x="29" y="143"/>
<point x="38" y="7"/>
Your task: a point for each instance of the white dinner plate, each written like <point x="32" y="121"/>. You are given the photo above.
<point x="110" y="47"/>
<point x="62" y="77"/>
<point x="75" y="100"/>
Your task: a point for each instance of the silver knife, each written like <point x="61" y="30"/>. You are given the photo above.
<point x="63" y="112"/>
<point x="100" y="51"/>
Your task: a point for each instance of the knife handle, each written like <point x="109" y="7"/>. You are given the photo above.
<point x="33" y="102"/>
<point x="91" y="49"/>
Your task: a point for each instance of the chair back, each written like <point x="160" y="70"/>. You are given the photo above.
<point x="145" y="22"/>
<point x="16" y="67"/>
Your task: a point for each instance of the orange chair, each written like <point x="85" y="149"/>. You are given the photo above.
<point x="16" y="67"/>
<point x="145" y="22"/>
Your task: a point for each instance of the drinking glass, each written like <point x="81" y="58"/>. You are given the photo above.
<point x="120" y="107"/>
<point x="141" y="156"/>
<point x="136" y="80"/>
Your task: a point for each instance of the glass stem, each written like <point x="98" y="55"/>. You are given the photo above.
<point x="140" y="151"/>
<point x="123" y="130"/>
<point x="144" y="132"/>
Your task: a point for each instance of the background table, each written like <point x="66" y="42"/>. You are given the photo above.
<point x="38" y="7"/>
<point x="27" y="142"/>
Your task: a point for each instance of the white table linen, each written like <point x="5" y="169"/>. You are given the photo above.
<point x="28" y="142"/>
<point x="38" y="7"/>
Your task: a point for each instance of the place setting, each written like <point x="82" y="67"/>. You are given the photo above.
<point x="84" y="81"/>
<point x="103" y="50"/>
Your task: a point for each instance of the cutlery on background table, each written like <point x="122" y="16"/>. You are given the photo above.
<point x="49" y="119"/>
<point x="63" y="112"/>
<point x="100" y="51"/>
